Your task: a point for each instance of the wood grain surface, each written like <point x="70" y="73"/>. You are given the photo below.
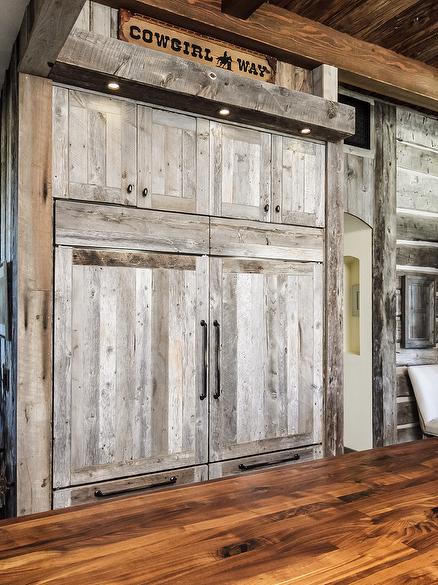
<point x="364" y="518"/>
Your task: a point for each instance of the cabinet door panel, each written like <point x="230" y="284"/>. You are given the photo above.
<point x="240" y="172"/>
<point x="298" y="182"/>
<point x="270" y="356"/>
<point x="128" y="364"/>
<point x="173" y="152"/>
<point x="94" y="147"/>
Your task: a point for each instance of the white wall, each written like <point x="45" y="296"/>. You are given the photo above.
<point x="358" y="365"/>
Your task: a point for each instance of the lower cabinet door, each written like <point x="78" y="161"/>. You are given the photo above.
<point x="266" y="336"/>
<point x="139" y="485"/>
<point x="129" y="364"/>
<point x="264" y="462"/>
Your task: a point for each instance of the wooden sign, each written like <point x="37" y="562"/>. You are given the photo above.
<point x="139" y="30"/>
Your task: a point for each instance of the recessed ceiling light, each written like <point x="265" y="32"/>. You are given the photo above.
<point x="305" y="131"/>
<point x="113" y="85"/>
<point x="224" y="112"/>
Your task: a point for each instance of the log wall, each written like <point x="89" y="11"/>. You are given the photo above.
<point x="417" y="242"/>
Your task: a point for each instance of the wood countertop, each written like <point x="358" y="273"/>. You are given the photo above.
<point x="365" y="518"/>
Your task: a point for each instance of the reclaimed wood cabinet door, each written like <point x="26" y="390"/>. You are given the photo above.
<point x="240" y="172"/>
<point x="265" y="356"/>
<point x="298" y="185"/>
<point x="173" y="161"/>
<point x="94" y="147"/>
<point x="130" y="352"/>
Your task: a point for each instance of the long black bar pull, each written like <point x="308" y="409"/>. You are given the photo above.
<point x="100" y="494"/>
<point x="244" y="467"/>
<point x="218" y="357"/>
<point x="203" y="396"/>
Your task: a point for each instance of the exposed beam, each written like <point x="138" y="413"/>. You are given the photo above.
<point x="241" y="8"/>
<point x="45" y="28"/>
<point x="90" y="60"/>
<point x="290" y="37"/>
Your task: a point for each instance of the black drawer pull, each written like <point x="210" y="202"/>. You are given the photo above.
<point x="244" y="467"/>
<point x="203" y="396"/>
<point x="217" y="327"/>
<point x="145" y="192"/>
<point x="100" y="494"/>
<point x="130" y="188"/>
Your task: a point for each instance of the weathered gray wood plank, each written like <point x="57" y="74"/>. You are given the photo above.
<point x="85" y="224"/>
<point x="51" y="23"/>
<point x="264" y="240"/>
<point x="91" y="58"/>
<point x="35" y="291"/>
<point x="384" y="279"/>
<point x="412" y="255"/>
<point x="334" y="306"/>
<point x="87" y="494"/>
<point x="415" y="227"/>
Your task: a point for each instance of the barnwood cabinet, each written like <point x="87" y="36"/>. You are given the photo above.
<point x="116" y="151"/>
<point x="183" y="341"/>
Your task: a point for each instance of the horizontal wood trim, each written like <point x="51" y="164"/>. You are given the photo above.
<point x="110" y="226"/>
<point x="86" y="494"/>
<point x="409" y="434"/>
<point x="91" y="60"/>
<point x="289" y="457"/>
<point x="417" y="227"/>
<point x="407" y="412"/>
<point x="265" y="240"/>
<point x="291" y="37"/>
<point x="417" y="357"/>
<point x="417" y="256"/>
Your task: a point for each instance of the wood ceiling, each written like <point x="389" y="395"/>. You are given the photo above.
<point x="409" y="27"/>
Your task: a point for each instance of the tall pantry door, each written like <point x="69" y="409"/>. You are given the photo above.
<point x="130" y="345"/>
<point x="266" y="356"/>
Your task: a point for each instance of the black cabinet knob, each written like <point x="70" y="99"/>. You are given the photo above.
<point x="266" y="208"/>
<point x="145" y="192"/>
<point x="130" y="188"/>
<point x="277" y="208"/>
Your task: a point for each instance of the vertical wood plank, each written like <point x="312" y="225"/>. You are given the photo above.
<point x="384" y="279"/>
<point x="325" y="82"/>
<point x="334" y="341"/>
<point x="34" y="347"/>
<point x="62" y="367"/>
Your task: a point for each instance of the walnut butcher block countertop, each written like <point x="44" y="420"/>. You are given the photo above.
<point x="368" y="517"/>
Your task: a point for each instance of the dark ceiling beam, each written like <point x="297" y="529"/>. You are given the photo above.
<point x="293" y="38"/>
<point x="241" y="8"/>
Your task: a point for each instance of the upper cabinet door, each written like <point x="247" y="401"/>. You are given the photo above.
<point x="265" y="356"/>
<point x="130" y="350"/>
<point x="94" y="147"/>
<point x="298" y="182"/>
<point x="173" y="161"/>
<point x="240" y="172"/>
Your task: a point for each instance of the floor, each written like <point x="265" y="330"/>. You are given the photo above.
<point x="365" y="518"/>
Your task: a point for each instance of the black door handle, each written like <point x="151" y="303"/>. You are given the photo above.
<point x="100" y="494"/>
<point x="203" y="396"/>
<point x="244" y="467"/>
<point x="217" y="327"/>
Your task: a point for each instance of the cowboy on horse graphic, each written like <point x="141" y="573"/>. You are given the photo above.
<point x="225" y="61"/>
